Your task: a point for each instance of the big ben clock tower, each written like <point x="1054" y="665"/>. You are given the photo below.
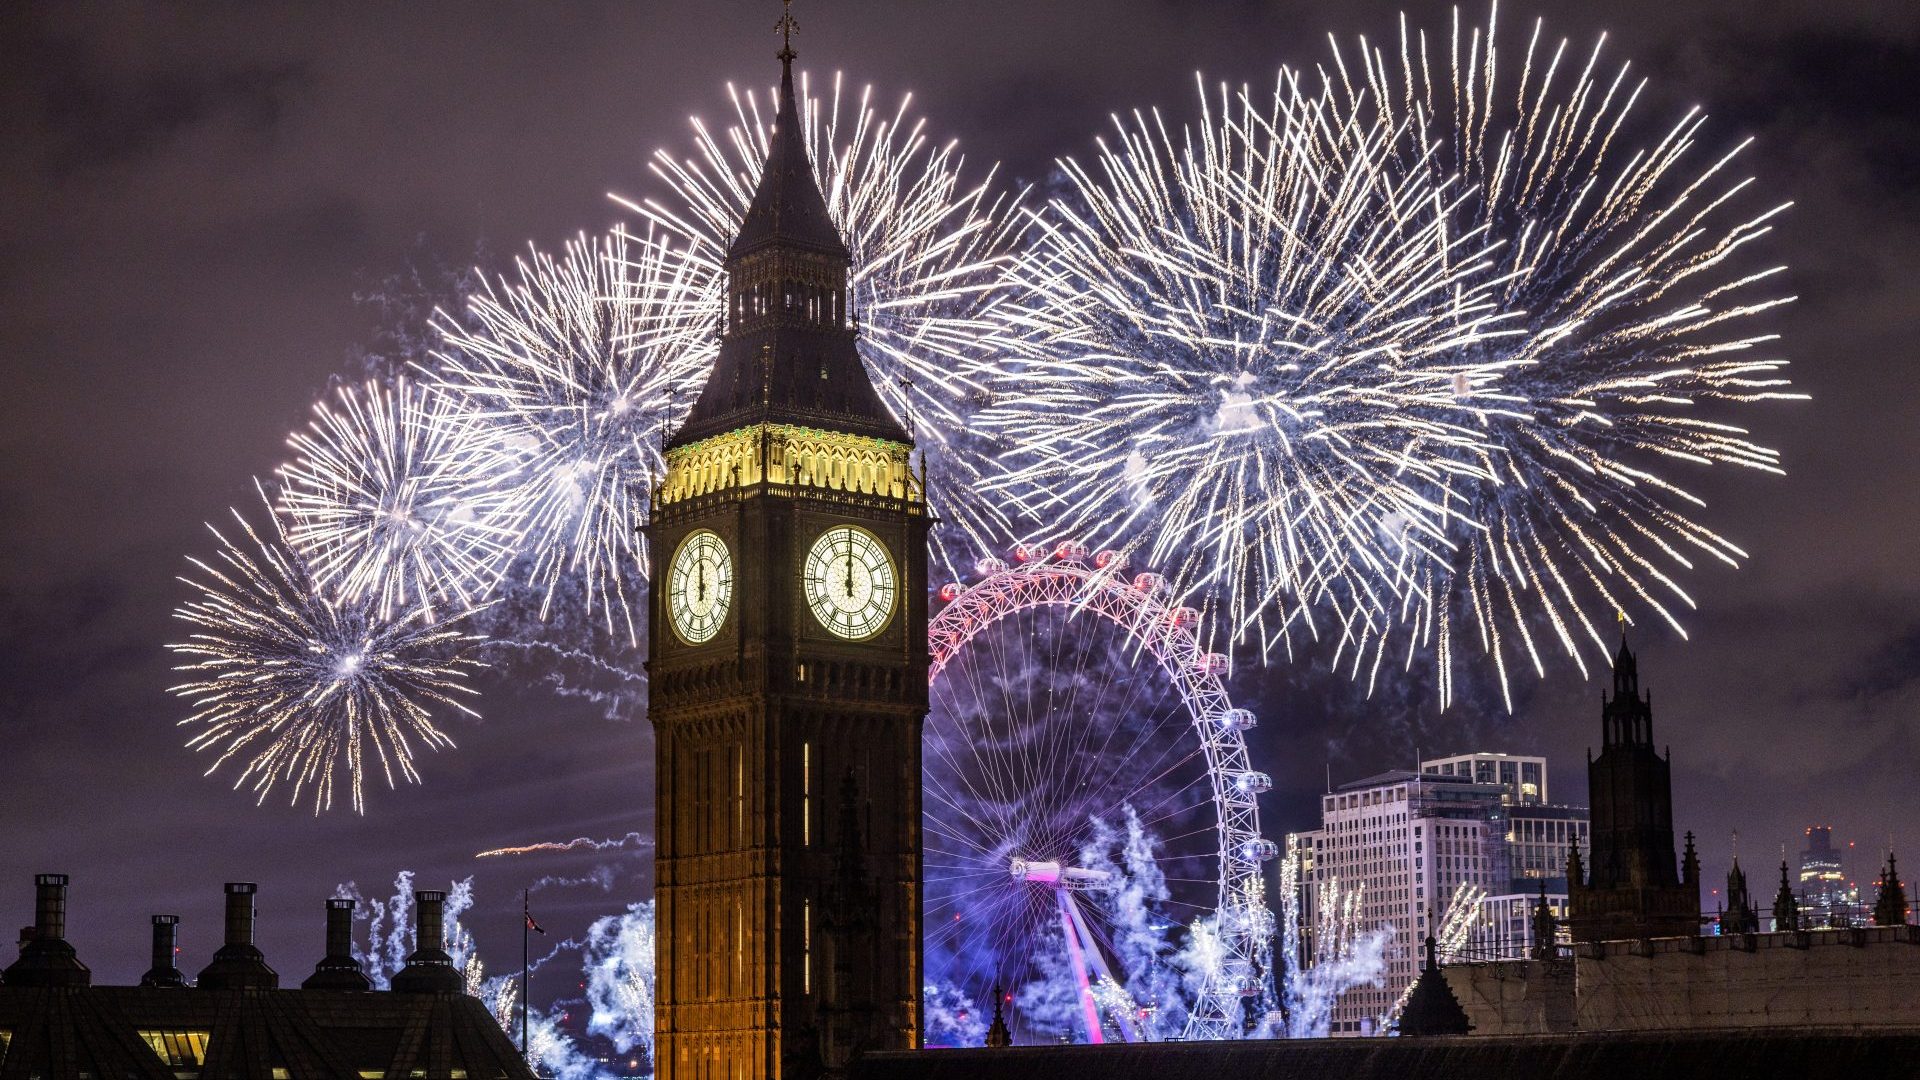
<point x="788" y="672"/>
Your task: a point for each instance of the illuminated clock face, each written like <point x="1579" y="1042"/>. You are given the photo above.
<point x="699" y="587"/>
<point x="850" y="582"/>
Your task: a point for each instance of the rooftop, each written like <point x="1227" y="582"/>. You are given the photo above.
<point x="1642" y="1055"/>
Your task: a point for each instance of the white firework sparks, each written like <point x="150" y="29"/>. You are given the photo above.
<point x="1449" y="943"/>
<point x="1626" y="263"/>
<point x="927" y="241"/>
<point x="1413" y="346"/>
<point x="1238" y="348"/>
<point x="304" y="688"/>
<point x="392" y="498"/>
<point x="575" y="372"/>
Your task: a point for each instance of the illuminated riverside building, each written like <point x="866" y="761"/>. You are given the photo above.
<point x="1414" y="838"/>
<point x="1524" y="778"/>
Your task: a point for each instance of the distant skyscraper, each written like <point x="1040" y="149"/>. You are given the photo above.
<point x="1827" y="897"/>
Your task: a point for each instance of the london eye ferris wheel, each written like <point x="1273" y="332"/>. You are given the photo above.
<point x="1092" y="842"/>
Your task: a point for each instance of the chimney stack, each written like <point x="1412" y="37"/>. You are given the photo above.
<point x="163" y="972"/>
<point x="46" y="959"/>
<point x="239" y="965"/>
<point x="429" y="970"/>
<point x="338" y="970"/>
<point x="50" y="906"/>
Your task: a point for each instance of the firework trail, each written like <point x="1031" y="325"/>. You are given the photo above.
<point x="391" y="497"/>
<point x="927" y="241"/>
<point x="1626" y="263"/>
<point x="1342" y="954"/>
<point x="632" y="839"/>
<point x="575" y="372"/>
<point x="302" y="687"/>
<point x="1450" y="939"/>
<point x="618" y="963"/>
<point x="1414" y="346"/>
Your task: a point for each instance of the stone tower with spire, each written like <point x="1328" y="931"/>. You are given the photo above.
<point x="1631" y="889"/>
<point x="1890" y="907"/>
<point x="1786" y="907"/>
<point x="787" y="670"/>
<point x="1740" y="916"/>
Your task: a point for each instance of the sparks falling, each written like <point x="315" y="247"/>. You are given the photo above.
<point x="392" y="499"/>
<point x="1234" y="347"/>
<point x="304" y="689"/>
<point x="575" y="372"/>
<point x="1409" y="344"/>
<point x="1628" y="264"/>
<point x="927" y="241"/>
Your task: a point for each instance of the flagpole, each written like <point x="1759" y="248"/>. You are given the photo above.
<point x="526" y="924"/>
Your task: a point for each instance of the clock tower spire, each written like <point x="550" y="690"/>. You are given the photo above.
<point x="787" y="666"/>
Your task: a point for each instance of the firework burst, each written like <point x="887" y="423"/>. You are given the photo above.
<point x="391" y="497"/>
<point x="1404" y="343"/>
<point x="926" y="241"/>
<point x="302" y="687"/>
<point x="1627" y="263"/>
<point x="573" y="374"/>
<point x="1237" y="347"/>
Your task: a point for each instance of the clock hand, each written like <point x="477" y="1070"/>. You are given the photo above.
<point x="849" y="574"/>
<point x="703" y="582"/>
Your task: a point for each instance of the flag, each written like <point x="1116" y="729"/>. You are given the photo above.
<point x="533" y="926"/>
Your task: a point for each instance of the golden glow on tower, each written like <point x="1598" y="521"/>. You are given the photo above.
<point x="783" y="455"/>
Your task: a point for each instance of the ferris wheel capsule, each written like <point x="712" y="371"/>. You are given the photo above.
<point x="951" y="591"/>
<point x="1185" y="618"/>
<point x="1212" y="663"/>
<point x="1027" y="553"/>
<point x="1252" y="783"/>
<point x="1237" y="975"/>
<point x="1110" y="559"/>
<point x="1255" y="919"/>
<point x="1237" y="720"/>
<point x="1153" y="585"/>
<point x="1070" y="551"/>
<point x="1259" y="849"/>
<point x="990" y="566"/>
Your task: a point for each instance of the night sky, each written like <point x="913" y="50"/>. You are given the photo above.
<point x="213" y="211"/>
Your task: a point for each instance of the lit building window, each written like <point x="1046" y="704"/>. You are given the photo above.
<point x="180" y="1049"/>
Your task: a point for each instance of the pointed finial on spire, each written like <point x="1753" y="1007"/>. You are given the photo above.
<point x="786" y="26"/>
<point x="998" y="1034"/>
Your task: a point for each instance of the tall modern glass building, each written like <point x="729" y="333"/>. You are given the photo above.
<point x="1828" y="898"/>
